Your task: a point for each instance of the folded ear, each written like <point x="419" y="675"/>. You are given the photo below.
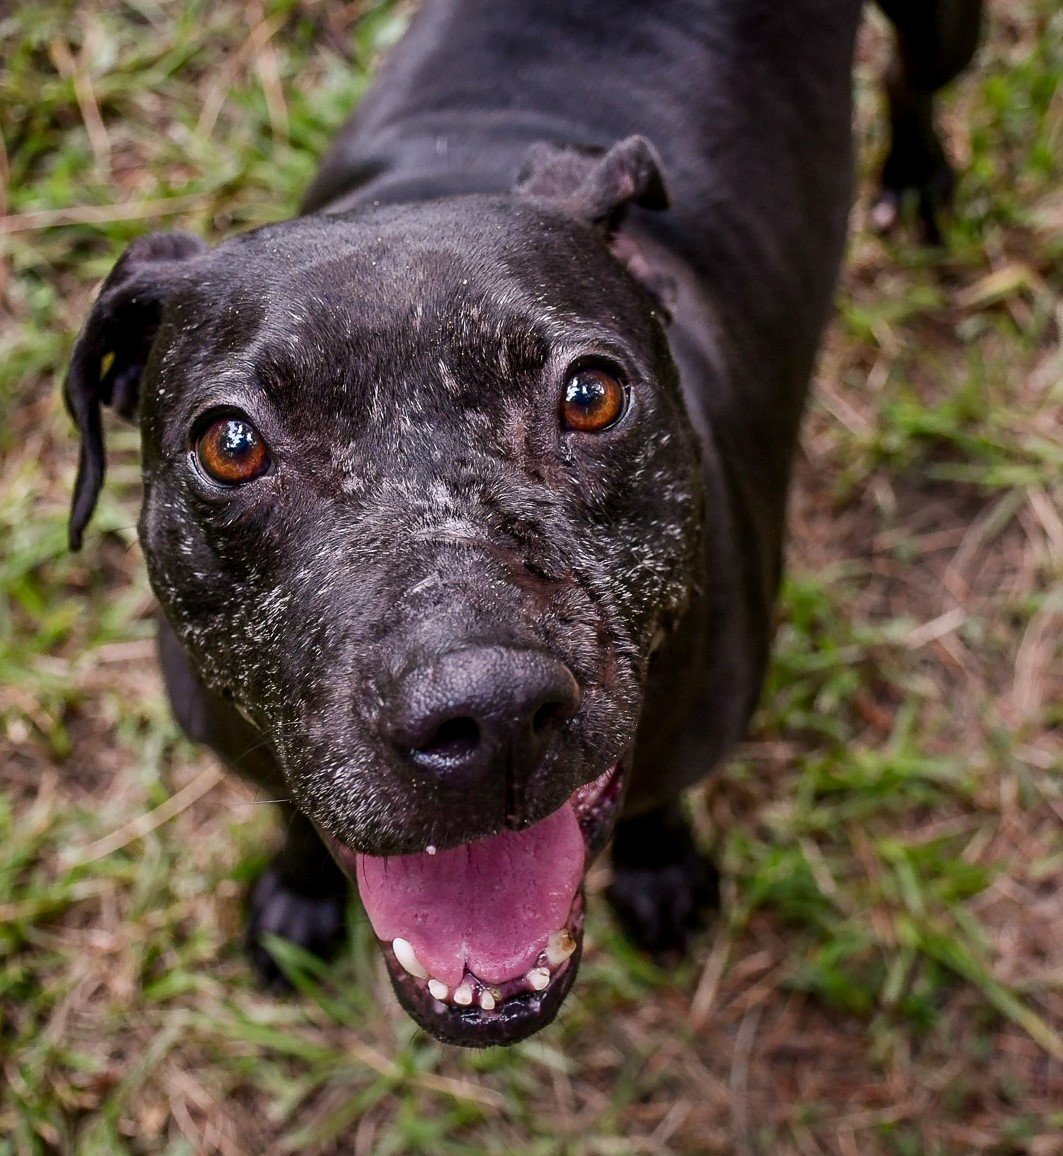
<point x="597" y="187"/>
<point x="113" y="348"/>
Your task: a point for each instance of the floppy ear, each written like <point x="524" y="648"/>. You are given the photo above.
<point x="111" y="353"/>
<point x="597" y="187"/>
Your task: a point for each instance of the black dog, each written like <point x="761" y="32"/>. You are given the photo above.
<point x="464" y="492"/>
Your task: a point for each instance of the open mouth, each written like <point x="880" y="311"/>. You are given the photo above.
<point x="482" y="941"/>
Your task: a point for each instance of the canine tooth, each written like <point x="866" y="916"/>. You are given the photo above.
<point x="487" y="1001"/>
<point x="430" y="849"/>
<point x="538" y="978"/>
<point x="463" y="994"/>
<point x="407" y="958"/>
<point x="438" y="989"/>
<point x="559" y="947"/>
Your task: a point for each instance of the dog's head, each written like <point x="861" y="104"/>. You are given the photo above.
<point x="419" y="497"/>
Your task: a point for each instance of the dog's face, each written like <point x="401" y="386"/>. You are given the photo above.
<point x="419" y="496"/>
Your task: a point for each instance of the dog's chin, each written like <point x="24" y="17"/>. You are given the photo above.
<point x="483" y="941"/>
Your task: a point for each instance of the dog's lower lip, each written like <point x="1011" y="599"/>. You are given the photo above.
<point x="477" y="1012"/>
<point x="520" y="1012"/>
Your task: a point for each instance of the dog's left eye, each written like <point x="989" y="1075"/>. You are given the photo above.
<point x="593" y="400"/>
<point x="232" y="451"/>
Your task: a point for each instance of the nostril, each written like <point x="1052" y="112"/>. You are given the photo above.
<point x="479" y="715"/>
<point x="549" y="716"/>
<point x="454" y="740"/>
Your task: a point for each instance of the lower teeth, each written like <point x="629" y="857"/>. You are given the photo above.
<point x="538" y="978"/>
<point x="559" y="946"/>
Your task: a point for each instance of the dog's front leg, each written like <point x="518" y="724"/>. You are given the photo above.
<point x="663" y="887"/>
<point x="302" y="894"/>
<point x="300" y="897"/>
<point x="935" y="42"/>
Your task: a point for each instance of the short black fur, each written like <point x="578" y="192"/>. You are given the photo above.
<point x="660" y="191"/>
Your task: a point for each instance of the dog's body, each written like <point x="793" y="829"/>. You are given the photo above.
<point x="515" y="612"/>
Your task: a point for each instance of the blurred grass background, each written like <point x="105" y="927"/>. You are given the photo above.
<point x="887" y="974"/>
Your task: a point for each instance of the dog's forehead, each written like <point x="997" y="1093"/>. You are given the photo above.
<point x="478" y="259"/>
<point x="463" y="291"/>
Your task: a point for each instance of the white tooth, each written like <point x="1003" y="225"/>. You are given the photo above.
<point x="407" y="958"/>
<point x="430" y="850"/>
<point x="487" y="1001"/>
<point x="463" y="994"/>
<point x="439" y="990"/>
<point x="538" y="978"/>
<point x="559" y="947"/>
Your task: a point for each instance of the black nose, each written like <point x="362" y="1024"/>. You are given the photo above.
<point x="482" y="713"/>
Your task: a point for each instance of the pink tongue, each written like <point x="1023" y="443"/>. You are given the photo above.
<point x="488" y="906"/>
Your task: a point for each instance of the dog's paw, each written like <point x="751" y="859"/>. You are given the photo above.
<point x="663" y="887"/>
<point x="315" y="923"/>
<point x="660" y="907"/>
<point x="916" y="170"/>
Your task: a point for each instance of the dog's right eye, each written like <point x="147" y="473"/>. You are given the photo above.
<point x="593" y="400"/>
<point x="231" y="451"/>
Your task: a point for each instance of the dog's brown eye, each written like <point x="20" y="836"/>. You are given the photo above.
<point x="593" y="401"/>
<point x="232" y="451"/>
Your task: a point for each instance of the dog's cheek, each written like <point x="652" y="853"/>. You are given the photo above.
<point x="215" y="599"/>
<point x="673" y="494"/>
<point x="646" y="504"/>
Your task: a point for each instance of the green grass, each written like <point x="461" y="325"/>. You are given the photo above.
<point x="885" y="976"/>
